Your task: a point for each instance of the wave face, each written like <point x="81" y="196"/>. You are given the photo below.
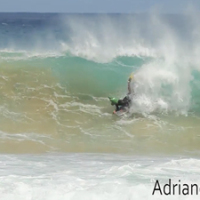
<point x="58" y="70"/>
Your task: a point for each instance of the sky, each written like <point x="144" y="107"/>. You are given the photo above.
<point x="98" y="6"/>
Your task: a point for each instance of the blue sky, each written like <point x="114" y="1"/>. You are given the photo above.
<point x="97" y="6"/>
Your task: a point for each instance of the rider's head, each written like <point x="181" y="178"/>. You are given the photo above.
<point x="113" y="100"/>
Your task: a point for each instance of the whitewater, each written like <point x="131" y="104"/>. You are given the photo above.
<point x="58" y="137"/>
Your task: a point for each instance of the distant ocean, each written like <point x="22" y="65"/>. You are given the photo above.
<point x="58" y="137"/>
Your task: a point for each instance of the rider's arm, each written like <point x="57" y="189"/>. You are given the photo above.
<point x="129" y="85"/>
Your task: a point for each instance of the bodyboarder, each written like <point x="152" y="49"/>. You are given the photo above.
<point x="122" y="104"/>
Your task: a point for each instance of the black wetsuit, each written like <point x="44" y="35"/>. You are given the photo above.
<point x="122" y="103"/>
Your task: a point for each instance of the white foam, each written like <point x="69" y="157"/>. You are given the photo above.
<point x="24" y="137"/>
<point x="161" y="87"/>
<point x="91" y="176"/>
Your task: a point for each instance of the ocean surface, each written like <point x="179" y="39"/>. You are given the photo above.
<point x="58" y="137"/>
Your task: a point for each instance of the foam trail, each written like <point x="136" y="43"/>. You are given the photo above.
<point x="101" y="177"/>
